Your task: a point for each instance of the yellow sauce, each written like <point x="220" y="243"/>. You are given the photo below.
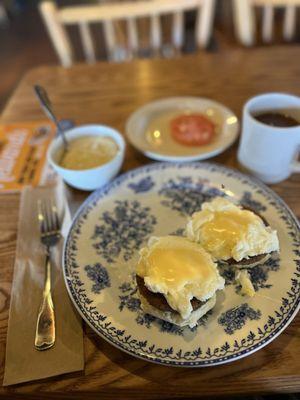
<point x="176" y="266"/>
<point x="174" y="261"/>
<point x="89" y="152"/>
<point x="226" y="228"/>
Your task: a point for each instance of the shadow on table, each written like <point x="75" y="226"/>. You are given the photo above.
<point x="105" y="364"/>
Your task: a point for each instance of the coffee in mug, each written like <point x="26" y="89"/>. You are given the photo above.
<point x="281" y="119"/>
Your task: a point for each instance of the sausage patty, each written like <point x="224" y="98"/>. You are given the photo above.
<point x="158" y="300"/>
<point x="246" y="261"/>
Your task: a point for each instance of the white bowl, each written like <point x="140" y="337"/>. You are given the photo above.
<point x="93" y="178"/>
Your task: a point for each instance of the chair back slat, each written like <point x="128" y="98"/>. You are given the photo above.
<point x="132" y="34"/>
<point x="267" y="23"/>
<point x="177" y="29"/>
<point x="244" y="19"/>
<point x="243" y="15"/>
<point x="289" y="23"/>
<point x="204" y="23"/>
<point x="109" y="38"/>
<point x="119" y="20"/>
<point x="155" y="33"/>
<point x="57" y="33"/>
<point x="117" y="11"/>
<point x="87" y="42"/>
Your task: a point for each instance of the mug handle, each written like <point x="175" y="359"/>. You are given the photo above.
<point x="295" y="167"/>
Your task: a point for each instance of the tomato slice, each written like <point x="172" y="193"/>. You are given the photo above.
<point x="192" y="130"/>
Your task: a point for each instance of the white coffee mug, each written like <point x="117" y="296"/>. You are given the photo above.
<point x="270" y="152"/>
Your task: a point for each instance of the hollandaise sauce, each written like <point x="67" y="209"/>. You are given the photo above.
<point x="226" y="228"/>
<point x="89" y="152"/>
<point x="174" y="266"/>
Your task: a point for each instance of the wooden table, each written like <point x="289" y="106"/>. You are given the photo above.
<point x="108" y="93"/>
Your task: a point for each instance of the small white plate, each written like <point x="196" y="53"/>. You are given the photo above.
<point x="148" y="131"/>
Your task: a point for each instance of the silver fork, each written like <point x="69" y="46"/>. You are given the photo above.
<point x="50" y="235"/>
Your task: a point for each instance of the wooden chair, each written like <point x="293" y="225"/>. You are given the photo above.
<point x="244" y="19"/>
<point x="56" y="20"/>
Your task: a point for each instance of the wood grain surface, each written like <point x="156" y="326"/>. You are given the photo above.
<point x="108" y="93"/>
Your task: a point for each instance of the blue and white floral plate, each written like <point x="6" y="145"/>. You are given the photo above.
<point x="101" y="252"/>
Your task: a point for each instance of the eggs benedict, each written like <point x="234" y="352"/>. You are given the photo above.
<point x="177" y="280"/>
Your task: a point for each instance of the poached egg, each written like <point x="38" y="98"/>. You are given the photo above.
<point x="227" y="231"/>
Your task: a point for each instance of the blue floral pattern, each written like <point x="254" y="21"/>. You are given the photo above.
<point x="259" y="274"/>
<point x="235" y="318"/>
<point x="123" y="230"/>
<point x="181" y="352"/>
<point x="145" y="319"/>
<point x="99" y="275"/>
<point x="178" y="232"/>
<point x="248" y="201"/>
<point x="168" y="327"/>
<point x="185" y="196"/>
<point x="228" y="273"/>
<point x="129" y="298"/>
<point x="142" y="186"/>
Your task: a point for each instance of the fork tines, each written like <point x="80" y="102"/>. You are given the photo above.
<point x="48" y="217"/>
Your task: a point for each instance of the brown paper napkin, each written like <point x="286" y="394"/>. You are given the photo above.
<point x="23" y="361"/>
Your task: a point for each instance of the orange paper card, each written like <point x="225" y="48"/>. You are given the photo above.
<point x="23" y="148"/>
